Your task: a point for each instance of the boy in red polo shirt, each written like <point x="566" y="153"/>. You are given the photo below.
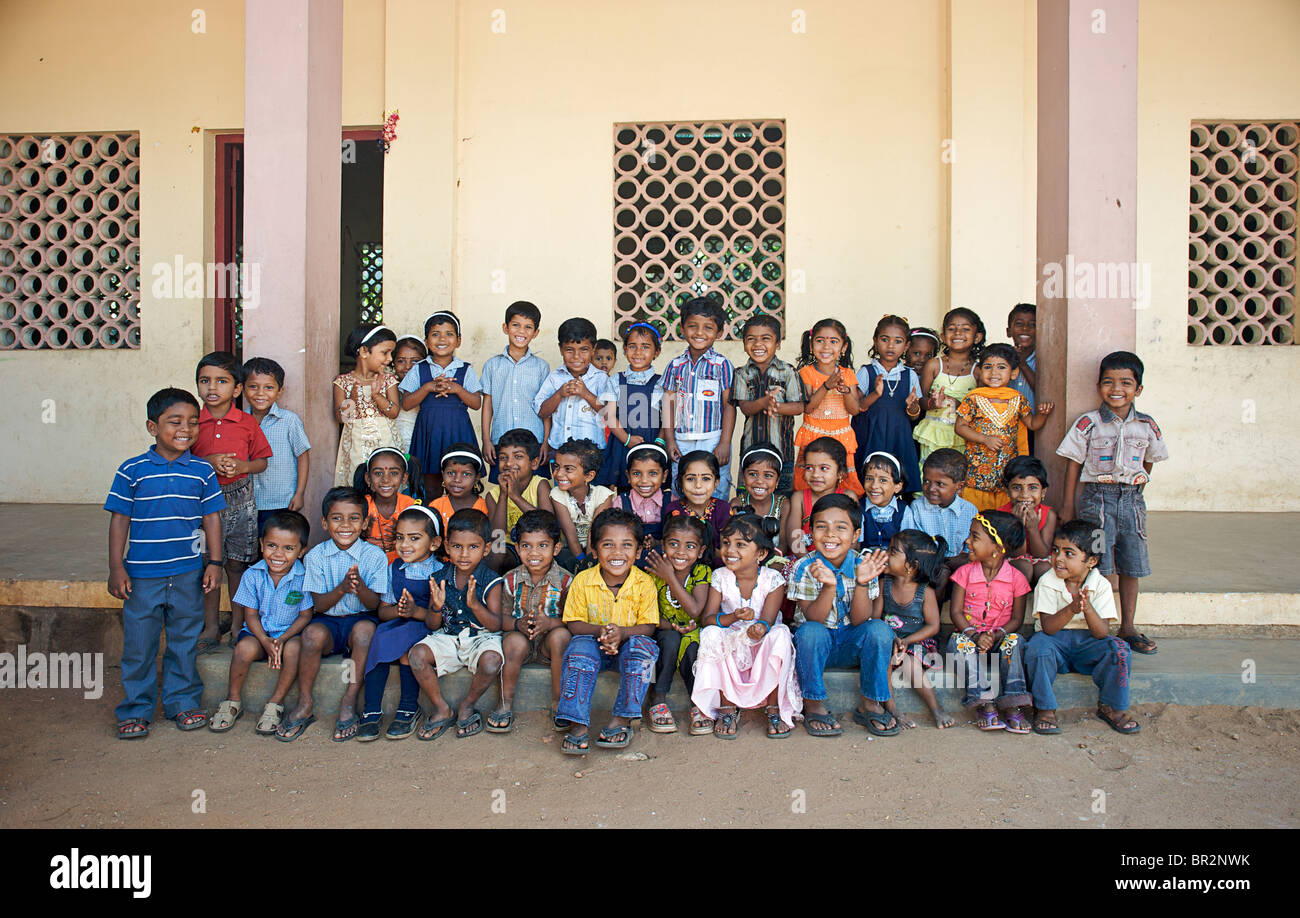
<point x="234" y="444"/>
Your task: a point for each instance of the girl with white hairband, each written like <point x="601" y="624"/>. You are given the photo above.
<point x="366" y="399"/>
<point x="760" y="473"/>
<point x="381" y="479"/>
<point x="890" y="399"/>
<point x="882" y="512"/>
<point x="462" y="475"/>
<point x="444" y="388"/>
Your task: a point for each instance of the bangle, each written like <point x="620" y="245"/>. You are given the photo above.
<point x="766" y="626"/>
<point x="214" y="562"/>
<point x="717" y="620"/>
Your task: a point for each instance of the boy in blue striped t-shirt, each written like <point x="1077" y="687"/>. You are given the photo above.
<point x="165" y="505"/>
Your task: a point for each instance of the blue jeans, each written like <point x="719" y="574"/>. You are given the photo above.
<point x="866" y="646"/>
<point x="978" y="667"/>
<point x="584" y="661"/>
<point x="176" y="605"/>
<point x="1075" y="650"/>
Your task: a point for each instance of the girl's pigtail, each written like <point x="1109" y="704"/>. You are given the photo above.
<point x="359" y="480"/>
<point x="930" y="566"/>
<point x="805" y="349"/>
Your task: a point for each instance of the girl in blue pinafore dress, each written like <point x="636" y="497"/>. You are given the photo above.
<point x="445" y="389"/>
<point x="417" y="534"/>
<point x="888" y="386"/>
<point x="638" y="402"/>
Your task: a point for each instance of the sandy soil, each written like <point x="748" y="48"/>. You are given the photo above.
<point x="1221" y="767"/>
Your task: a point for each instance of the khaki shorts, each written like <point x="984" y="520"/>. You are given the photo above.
<point x="452" y="652"/>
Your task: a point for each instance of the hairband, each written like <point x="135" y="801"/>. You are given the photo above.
<point x="763" y="449"/>
<point x="454" y="454"/>
<point x="646" y="325"/>
<point x="450" y="318"/>
<point x="387" y="449"/>
<point x="431" y="514"/>
<point x="889" y="456"/>
<point x="654" y="446"/>
<point x="988" y="527"/>
<point x="926" y="334"/>
<point x="417" y="340"/>
<point x="372" y="331"/>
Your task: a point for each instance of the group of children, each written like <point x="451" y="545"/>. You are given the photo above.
<point x="595" y="527"/>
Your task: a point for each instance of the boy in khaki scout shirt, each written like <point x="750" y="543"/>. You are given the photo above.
<point x="1110" y="452"/>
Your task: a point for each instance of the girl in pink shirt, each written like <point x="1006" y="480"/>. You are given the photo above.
<point x="987" y="609"/>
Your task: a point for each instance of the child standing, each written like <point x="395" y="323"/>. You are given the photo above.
<point x="612" y="612"/>
<point x="575" y="398"/>
<point x="1073" y="604"/>
<point x="746" y="656"/>
<point x="574" y="499"/>
<point x="682" y="582"/>
<point x="890" y="399"/>
<point x="834" y="587"/>
<point x="444" y="388"/>
<point x="943" y="512"/>
<point x="277" y="608"/>
<point x="639" y="397"/>
<point x="1110" y="452"/>
<point x="907" y="603"/>
<point x="381" y="479"/>
<point x="1022" y="329"/>
<point x="409" y="351"/>
<point x="882" y="511"/>
<point x="284" y="482"/>
<point x="987" y="609"/>
<point x="769" y="393"/>
<point x="697" y="410"/>
<point x="697" y="476"/>
<point x="993" y="420"/>
<point x="158" y="500"/>
<point x="532" y="632"/>
<point x="922" y="344"/>
<point x="403" y="621"/>
<point x="366" y="402"/>
<point x="233" y="443"/>
<point x="605" y="356"/>
<point x="826" y="368"/>
<point x="509" y="381"/>
<point x="947" y="379"/>
<point x="1025" y="479"/>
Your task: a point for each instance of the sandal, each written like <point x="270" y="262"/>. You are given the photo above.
<point x="470" y="726"/>
<point x="661" y="719"/>
<point x="345" y="730"/>
<point x="776" y="728"/>
<point x="875" y="722"/>
<point x="132" y="728"/>
<point x="193" y="719"/>
<point x="369" y="728"/>
<point x="500" y="721"/>
<point x="272" y="714"/>
<point x="826" y="720"/>
<point x="558" y="725"/>
<point x="227" y="713"/>
<point x="207" y="645"/>
<point x="606" y="739"/>
<point x="1140" y="643"/>
<point x="988" y="720"/>
<point x="1016" y="723"/>
<point x="432" y="729"/>
<point x="575" y="745"/>
<point x="1046" y="727"/>
<point x="700" y="725"/>
<point x="403" y="725"/>
<point x="725" y="726"/>
<point x="1129" y="726"/>
<point x="289" y="732"/>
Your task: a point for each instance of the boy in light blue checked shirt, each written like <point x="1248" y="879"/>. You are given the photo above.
<point x="284" y="482"/>
<point x="510" y="379"/>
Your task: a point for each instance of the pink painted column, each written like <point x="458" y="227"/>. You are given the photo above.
<point x="293" y="97"/>
<point x="1087" y="188"/>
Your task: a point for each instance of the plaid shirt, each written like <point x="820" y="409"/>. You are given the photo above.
<point x="700" y="387"/>
<point x="753" y="383"/>
<point x="510" y="384"/>
<point x="274" y="488"/>
<point x="803" y="586"/>
<point x="952" y="522"/>
<point x="277" y="605"/>
<point x="327" y="565"/>
<point x="522" y="595"/>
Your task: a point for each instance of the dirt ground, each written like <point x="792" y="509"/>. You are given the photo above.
<point x="1220" y="767"/>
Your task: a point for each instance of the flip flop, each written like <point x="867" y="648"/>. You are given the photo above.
<point x="1016" y="723"/>
<point x="875" y="722"/>
<point x="662" y="710"/>
<point x="208" y="645"/>
<point x="341" y="725"/>
<point x="470" y="726"/>
<point x="826" y="720"/>
<point x="1133" y="640"/>
<point x="559" y="726"/>
<point x="1131" y="727"/>
<point x="729" y="719"/>
<point x="700" y="725"/>
<point x="294" y="728"/>
<point x="1046" y="727"/>
<point x="123" y="733"/>
<point x="574" y="745"/>
<point x="606" y="738"/>
<point x="776" y="724"/>
<point x="500" y="722"/>
<point x="439" y="727"/>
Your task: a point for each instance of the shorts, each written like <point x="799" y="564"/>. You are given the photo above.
<point x="239" y="521"/>
<point x="340" y="629"/>
<point x="452" y="652"/>
<point x="1121" y="511"/>
<point x="538" y="652"/>
<point x="244" y="632"/>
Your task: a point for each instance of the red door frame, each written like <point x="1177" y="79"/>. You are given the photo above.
<point x="227" y="230"/>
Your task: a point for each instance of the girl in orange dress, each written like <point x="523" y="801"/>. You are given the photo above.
<point x="826" y="368"/>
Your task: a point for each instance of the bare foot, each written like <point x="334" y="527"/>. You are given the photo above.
<point x="902" y="719"/>
<point x="942" y="719"/>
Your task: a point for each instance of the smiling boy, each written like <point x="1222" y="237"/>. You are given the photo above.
<point x="578" y="398"/>
<point x="697" y="411"/>
<point x="516" y="492"/>
<point x="943" y="512"/>
<point x="283" y="484"/>
<point x="508" y="378"/>
<point x="770" y="394"/>
<point x="1110" y="452"/>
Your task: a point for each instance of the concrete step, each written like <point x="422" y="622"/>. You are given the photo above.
<point x="1188" y="671"/>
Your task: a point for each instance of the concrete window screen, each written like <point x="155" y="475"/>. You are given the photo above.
<point x="1242" y="248"/>
<point x="370" y="281"/>
<point x="699" y="210"/>
<point x="69" y="241"/>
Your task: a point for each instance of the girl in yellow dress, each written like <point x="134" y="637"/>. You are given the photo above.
<point x="948" y="378"/>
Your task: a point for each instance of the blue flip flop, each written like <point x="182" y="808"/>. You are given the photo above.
<point x="341" y="725"/>
<point x="295" y="728"/>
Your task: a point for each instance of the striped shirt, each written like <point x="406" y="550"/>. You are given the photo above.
<point x="701" y="386"/>
<point x="510" y="384"/>
<point x="327" y="565"/>
<point x="574" y="419"/>
<point x="166" y="502"/>
<point x="275" y="487"/>
<point x="952" y="522"/>
<point x="277" y="605"/>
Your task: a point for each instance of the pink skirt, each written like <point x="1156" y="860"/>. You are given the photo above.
<point x="732" y="668"/>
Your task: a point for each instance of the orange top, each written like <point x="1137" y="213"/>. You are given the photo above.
<point x="444" y="508"/>
<point x="383" y="528"/>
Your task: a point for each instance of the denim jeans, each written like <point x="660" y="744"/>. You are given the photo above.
<point x="866" y="646"/>
<point x="174" y="604"/>
<point x="977" y="669"/>
<point x="1075" y="650"/>
<point x="584" y="661"/>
